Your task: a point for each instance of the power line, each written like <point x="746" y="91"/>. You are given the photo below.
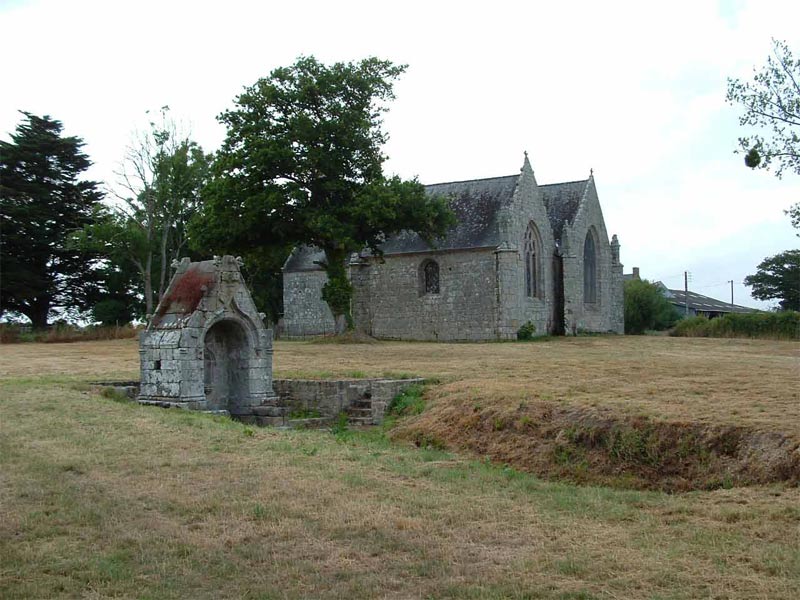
<point x="668" y="277"/>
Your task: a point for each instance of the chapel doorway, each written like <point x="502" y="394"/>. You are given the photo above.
<point x="225" y="366"/>
<point x="557" y="321"/>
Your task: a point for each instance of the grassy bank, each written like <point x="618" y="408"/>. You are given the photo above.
<point x="102" y="498"/>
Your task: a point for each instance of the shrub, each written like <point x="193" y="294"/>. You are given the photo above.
<point x="64" y="333"/>
<point x="526" y="331"/>
<point x="339" y="428"/>
<point x="407" y="402"/>
<point x="692" y="327"/>
<point x="10" y="333"/>
<point x="647" y="308"/>
<point x="784" y="325"/>
<point x="112" y="312"/>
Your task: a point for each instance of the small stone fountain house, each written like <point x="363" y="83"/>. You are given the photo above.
<point x="206" y="347"/>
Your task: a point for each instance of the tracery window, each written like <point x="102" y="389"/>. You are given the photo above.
<point x="531" y="256"/>
<point x="589" y="270"/>
<point x="430" y="277"/>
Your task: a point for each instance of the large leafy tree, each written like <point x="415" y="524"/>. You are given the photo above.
<point x="146" y="228"/>
<point x="302" y="163"/>
<point x="119" y="244"/>
<point x="42" y="202"/>
<point x="771" y="104"/>
<point x="263" y="255"/>
<point x="778" y="277"/>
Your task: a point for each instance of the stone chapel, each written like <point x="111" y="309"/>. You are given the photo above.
<point x="519" y="252"/>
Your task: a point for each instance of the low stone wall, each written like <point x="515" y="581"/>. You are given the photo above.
<point x="328" y="397"/>
<point x="333" y="397"/>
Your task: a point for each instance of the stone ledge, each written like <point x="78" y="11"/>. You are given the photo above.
<point x="365" y="400"/>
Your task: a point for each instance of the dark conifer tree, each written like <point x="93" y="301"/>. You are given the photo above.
<point x="42" y="202"/>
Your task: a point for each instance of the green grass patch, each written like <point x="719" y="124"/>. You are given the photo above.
<point x="408" y="402"/>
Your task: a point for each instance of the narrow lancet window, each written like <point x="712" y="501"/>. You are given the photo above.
<point x="589" y="270"/>
<point x="531" y="250"/>
<point x="430" y="275"/>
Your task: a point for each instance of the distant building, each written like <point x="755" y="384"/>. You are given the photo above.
<point x="703" y="306"/>
<point x="630" y="276"/>
<point x="700" y="305"/>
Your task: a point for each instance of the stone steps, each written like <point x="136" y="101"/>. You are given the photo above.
<point x="359" y="413"/>
<point x="270" y="411"/>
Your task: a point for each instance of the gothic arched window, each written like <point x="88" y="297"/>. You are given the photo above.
<point x="589" y="270"/>
<point x="532" y="255"/>
<point x="430" y="277"/>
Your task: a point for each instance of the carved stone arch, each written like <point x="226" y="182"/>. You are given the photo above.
<point x="532" y="254"/>
<point x="249" y="328"/>
<point x="226" y="365"/>
<point x="591" y="267"/>
<point x="230" y="342"/>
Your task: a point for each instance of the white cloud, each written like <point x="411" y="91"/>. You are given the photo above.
<point x="634" y="90"/>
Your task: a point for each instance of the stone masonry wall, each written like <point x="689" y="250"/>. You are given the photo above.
<point x="390" y="303"/>
<point x="606" y="314"/>
<point x="305" y="313"/>
<point x="333" y="397"/>
<point x="517" y="307"/>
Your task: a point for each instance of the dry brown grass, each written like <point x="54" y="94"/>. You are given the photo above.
<point x="751" y="382"/>
<point x="106" y="499"/>
<point x="514" y="402"/>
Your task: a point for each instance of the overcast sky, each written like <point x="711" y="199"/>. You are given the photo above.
<point x="635" y="91"/>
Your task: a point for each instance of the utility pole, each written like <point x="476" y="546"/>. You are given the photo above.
<point x="686" y="292"/>
<point x="731" y="282"/>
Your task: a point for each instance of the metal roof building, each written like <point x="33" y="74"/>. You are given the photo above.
<point x="702" y="305"/>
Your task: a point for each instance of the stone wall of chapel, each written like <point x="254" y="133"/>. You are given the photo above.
<point x="390" y="304"/>
<point x="305" y="313"/>
<point x="517" y="307"/>
<point x="606" y="314"/>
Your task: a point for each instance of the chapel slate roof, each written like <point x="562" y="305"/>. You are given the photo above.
<point x="562" y="201"/>
<point x="476" y="204"/>
<point x="304" y="258"/>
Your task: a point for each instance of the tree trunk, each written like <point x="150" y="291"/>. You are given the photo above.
<point x="338" y="292"/>
<point x="38" y="312"/>
<point x="148" y="284"/>
<point x="164" y="265"/>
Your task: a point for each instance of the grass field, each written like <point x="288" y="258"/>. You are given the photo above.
<point x="108" y="499"/>
<point x="752" y="382"/>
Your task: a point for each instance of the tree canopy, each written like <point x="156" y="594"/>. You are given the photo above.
<point x="42" y="202"/>
<point x="771" y="104"/>
<point x="146" y="229"/>
<point x="302" y="163"/>
<point x="778" y="277"/>
<point x="647" y="308"/>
